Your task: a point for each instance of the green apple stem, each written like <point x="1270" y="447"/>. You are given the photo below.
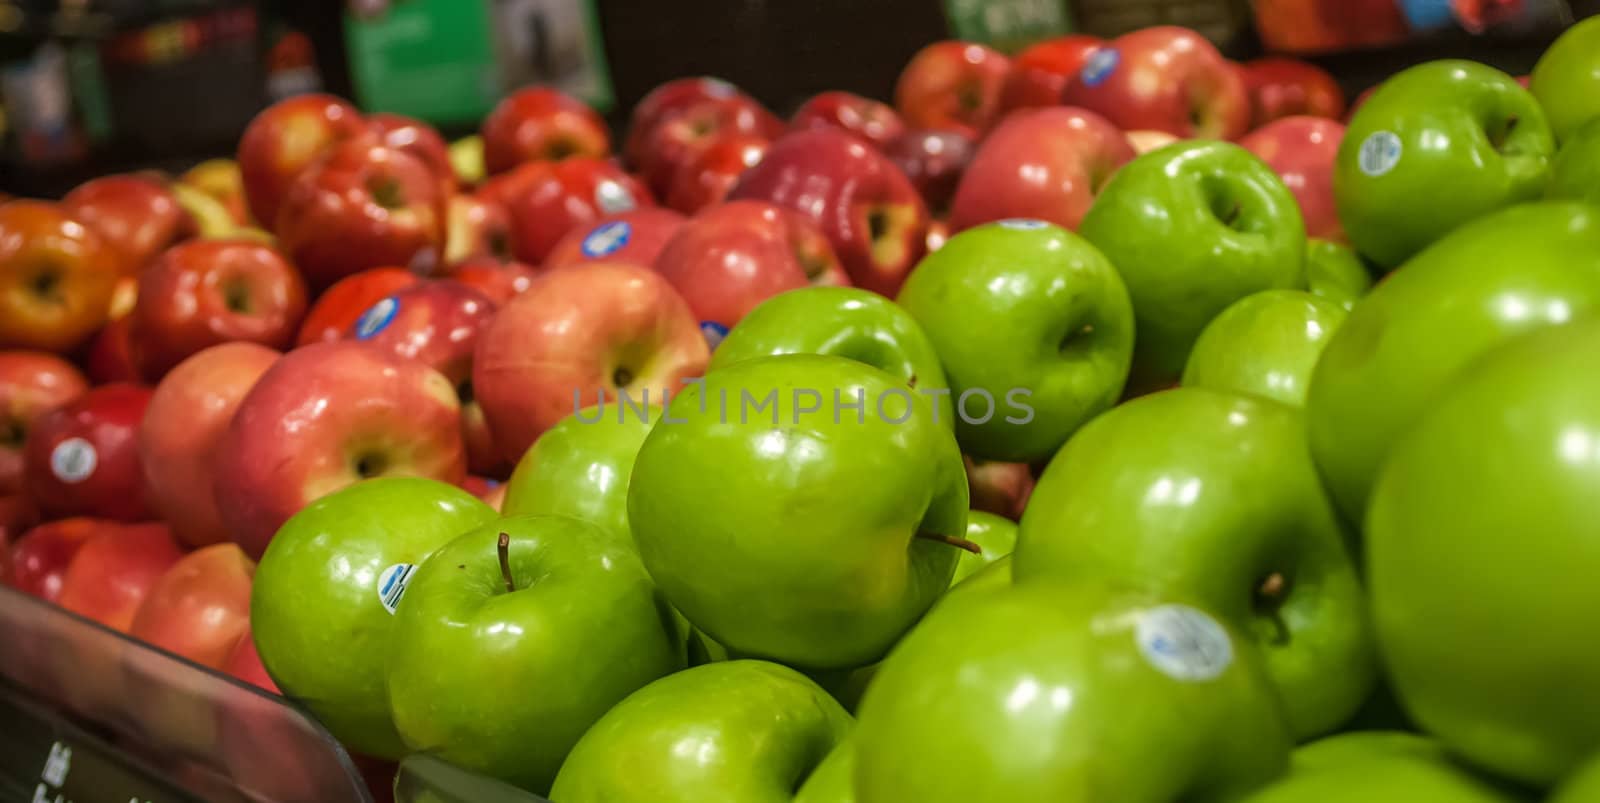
<point x="505" y="562"/>
<point x="955" y="541"/>
<point x="1269" y="603"/>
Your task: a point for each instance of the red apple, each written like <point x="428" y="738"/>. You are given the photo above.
<point x="203" y="293"/>
<point x="283" y="140"/>
<point x="546" y="200"/>
<point x="1044" y="164"/>
<point x="491" y="491"/>
<point x="244" y="663"/>
<point x="952" y="85"/>
<point x="40" y="557"/>
<point x="636" y="237"/>
<point x="200" y="607"/>
<point x="541" y="124"/>
<point x="999" y="488"/>
<point x="419" y="139"/>
<point x="115" y="570"/>
<point x="730" y="258"/>
<point x="706" y="179"/>
<point x="1302" y="151"/>
<point x="57" y="277"/>
<point x="363" y="205"/>
<point x="579" y="335"/>
<point x="110" y="354"/>
<point x="875" y="122"/>
<point x="500" y="281"/>
<point x="478" y="227"/>
<point x="1040" y="73"/>
<point x="82" y="459"/>
<point x="188" y="414"/>
<point x="137" y="216"/>
<point x="31" y="383"/>
<point x="665" y="100"/>
<point x="934" y="161"/>
<point x="678" y="137"/>
<point x="867" y="208"/>
<point x="17" y="516"/>
<point x="1289" y="87"/>
<point x="322" y="418"/>
<point x="338" y="308"/>
<point x="1163" y="79"/>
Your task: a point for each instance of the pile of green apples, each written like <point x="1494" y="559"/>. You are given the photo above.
<point x="1297" y="536"/>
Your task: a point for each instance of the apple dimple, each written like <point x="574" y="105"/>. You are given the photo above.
<point x="46" y="284"/>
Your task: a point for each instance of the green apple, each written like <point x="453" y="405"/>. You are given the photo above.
<point x="733" y="732"/>
<point x="516" y="637"/>
<point x="1336" y="273"/>
<point x="580" y="467"/>
<point x="1193" y="227"/>
<point x="1483" y="554"/>
<point x="800" y="508"/>
<point x="1582" y="786"/>
<point x="1513" y="271"/>
<point x="1434" y="147"/>
<point x="1567" y="78"/>
<point x="843" y="322"/>
<point x="1264" y="345"/>
<point x="1213" y="496"/>
<point x="1575" y="174"/>
<point x="1377" y="768"/>
<point x="996" y="536"/>
<point x="322" y="605"/>
<point x="1068" y="694"/>
<point x="1034" y="329"/>
<point x="833" y="781"/>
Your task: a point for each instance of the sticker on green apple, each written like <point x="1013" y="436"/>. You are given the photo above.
<point x="1184" y="643"/>
<point x="1380" y="152"/>
<point x="392" y="584"/>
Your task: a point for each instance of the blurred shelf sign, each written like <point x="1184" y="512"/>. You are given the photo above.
<point x="449" y="61"/>
<point x="1007" y="24"/>
<point x="46" y="760"/>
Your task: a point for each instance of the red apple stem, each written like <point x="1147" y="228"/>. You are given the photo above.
<point x="955" y="541"/>
<point x="505" y="562"/>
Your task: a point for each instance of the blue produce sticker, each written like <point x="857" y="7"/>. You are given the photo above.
<point x="1022" y="224"/>
<point x="714" y="333"/>
<point x="1380" y="152"/>
<point x="1184" y="643"/>
<point x="392" y="584"/>
<point x="606" y="239"/>
<point x="1100" y="66"/>
<point x="377" y="318"/>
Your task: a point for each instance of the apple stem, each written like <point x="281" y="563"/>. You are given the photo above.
<point x="1271" y="588"/>
<point x="505" y="562"/>
<point x="955" y="541"/>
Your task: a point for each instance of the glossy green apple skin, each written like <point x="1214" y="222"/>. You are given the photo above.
<point x="315" y="611"/>
<point x="1517" y="270"/>
<point x="1193" y="227"/>
<point x="580" y="467"/>
<point x="833" y="781"/>
<point x="1482" y="555"/>
<point x="1582" y="786"/>
<point x="1264" y="345"/>
<point x="1203" y="495"/>
<point x="996" y="535"/>
<point x="504" y="683"/>
<point x="732" y="732"/>
<point x="1030" y="308"/>
<point x="1567" y="79"/>
<point x="1043" y="693"/>
<point x="1448" y="170"/>
<point x="1336" y="273"/>
<point x="1576" y="172"/>
<point x="842" y="322"/>
<point x="1377" y="768"/>
<point x="809" y="555"/>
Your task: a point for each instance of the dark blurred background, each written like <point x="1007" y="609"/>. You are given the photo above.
<point x="95" y="86"/>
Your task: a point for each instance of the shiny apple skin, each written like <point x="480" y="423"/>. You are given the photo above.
<point x="283" y="140"/>
<point x="31" y="384"/>
<point x="57" y="277"/>
<point x="1302" y="150"/>
<point x="873" y="121"/>
<point x="82" y="459"/>
<point x="114" y="571"/>
<point x="136" y="215"/>
<point x="339" y="306"/>
<point x="547" y="200"/>
<point x="1040" y="72"/>
<point x="640" y="241"/>
<point x="541" y="124"/>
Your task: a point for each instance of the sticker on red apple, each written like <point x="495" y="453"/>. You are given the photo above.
<point x="714" y="333"/>
<point x="74" y="460"/>
<point x="606" y="239"/>
<point x="1380" y="152"/>
<point x="1100" y="66"/>
<point x="392" y="584"/>
<point x="717" y="88"/>
<point x="613" y="198"/>
<point x="1022" y="224"/>
<point x="1184" y="643"/>
<point x="377" y="318"/>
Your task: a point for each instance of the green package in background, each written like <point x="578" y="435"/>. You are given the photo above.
<point x="449" y="61"/>
<point x="1007" y="25"/>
